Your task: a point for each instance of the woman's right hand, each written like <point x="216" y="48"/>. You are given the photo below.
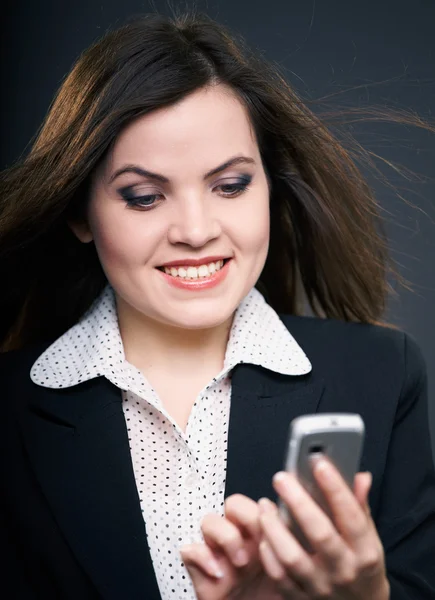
<point x="226" y="539"/>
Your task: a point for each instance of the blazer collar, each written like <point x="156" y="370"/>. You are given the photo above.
<point x="78" y="444"/>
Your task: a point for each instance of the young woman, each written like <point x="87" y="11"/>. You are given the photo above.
<point x="147" y="385"/>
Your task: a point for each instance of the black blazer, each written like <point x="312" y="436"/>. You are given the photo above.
<point x="71" y="523"/>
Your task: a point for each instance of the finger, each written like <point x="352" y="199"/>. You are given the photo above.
<point x="271" y="564"/>
<point x="201" y="557"/>
<point x="222" y="535"/>
<point x="363" y="536"/>
<point x="316" y="526"/>
<point x="198" y="560"/>
<point x="298" y="566"/>
<point x="275" y="571"/>
<point x="362" y="486"/>
<point x="361" y="489"/>
<point x="267" y="506"/>
<point x="349" y="518"/>
<point x="244" y="513"/>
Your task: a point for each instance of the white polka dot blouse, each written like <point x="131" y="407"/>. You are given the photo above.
<point x="180" y="475"/>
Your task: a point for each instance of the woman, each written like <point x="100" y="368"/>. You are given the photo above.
<point x="148" y="386"/>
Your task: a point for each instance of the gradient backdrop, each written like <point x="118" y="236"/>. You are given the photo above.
<point x="377" y="52"/>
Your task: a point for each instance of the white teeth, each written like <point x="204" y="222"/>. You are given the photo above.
<point x="195" y="272"/>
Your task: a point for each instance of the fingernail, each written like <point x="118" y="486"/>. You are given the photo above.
<point x="265" y="505"/>
<point x="321" y="466"/>
<point x="214" y="569"/>
<point x="241" y="558"/>
<point x="315" y="458"/>
<point x="280" y="476"/>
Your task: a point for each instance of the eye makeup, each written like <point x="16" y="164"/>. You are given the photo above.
<point x="134" y="199"/>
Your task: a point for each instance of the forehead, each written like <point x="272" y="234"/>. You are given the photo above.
<point x="204" y="128"/>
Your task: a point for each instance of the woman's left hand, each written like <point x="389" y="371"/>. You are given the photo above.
<point x="347" y="562"/>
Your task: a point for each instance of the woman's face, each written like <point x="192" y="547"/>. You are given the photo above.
<point x="183" y="187"/>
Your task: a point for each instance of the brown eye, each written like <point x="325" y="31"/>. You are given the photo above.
<point x="234" y="189"/>
<point x="231" y="190"/>
<point x="138" y="200"/>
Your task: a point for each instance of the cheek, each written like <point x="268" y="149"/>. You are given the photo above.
<point x="122" y="237"/>
<point x="254" y="229"/>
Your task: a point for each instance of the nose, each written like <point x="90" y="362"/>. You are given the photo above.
<point x="194" y="223"/>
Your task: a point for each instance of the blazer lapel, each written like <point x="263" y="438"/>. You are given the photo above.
<point x="78" y="443"/>
<point x="263" y="404"/>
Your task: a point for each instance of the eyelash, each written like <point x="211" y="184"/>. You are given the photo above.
<point x="134" y="201"/>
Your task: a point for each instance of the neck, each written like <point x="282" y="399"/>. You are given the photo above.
<point x="150" y="344"/>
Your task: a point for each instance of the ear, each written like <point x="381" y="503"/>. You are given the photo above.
<point x="81" y="230"/>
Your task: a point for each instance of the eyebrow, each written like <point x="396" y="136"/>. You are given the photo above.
<point x="235" y="160"/>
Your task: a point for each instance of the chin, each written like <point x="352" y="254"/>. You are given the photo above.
<point x="199" y="323"/>
<point x="207" y="319"/>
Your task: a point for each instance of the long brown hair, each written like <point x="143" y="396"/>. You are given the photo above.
<point x="328" y="243"/>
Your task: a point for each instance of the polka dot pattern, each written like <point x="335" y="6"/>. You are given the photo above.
<point x="180" y="475"/>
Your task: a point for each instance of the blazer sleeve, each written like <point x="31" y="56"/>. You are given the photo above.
<point x="406" y="517"/>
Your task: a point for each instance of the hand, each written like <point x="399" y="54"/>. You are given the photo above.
<point x="217" y="571"/>
<point x="348" y="558"/>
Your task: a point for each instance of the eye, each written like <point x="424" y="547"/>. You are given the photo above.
<point x="231" y="190"/>
<point x="139" y="201"/>
<point x="149" y="201"/>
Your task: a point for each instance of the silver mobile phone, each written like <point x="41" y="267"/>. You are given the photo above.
<point x="337" y="436"/>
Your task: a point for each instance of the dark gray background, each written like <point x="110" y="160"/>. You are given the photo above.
<point x="376" y="52"/>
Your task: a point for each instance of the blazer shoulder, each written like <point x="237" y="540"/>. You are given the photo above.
<point x="322" y="327"/>
<point x="349" y="343"/>
<point x="15" y="365"/>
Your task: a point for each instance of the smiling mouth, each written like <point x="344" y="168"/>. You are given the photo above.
<point x="192" y="273"/>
